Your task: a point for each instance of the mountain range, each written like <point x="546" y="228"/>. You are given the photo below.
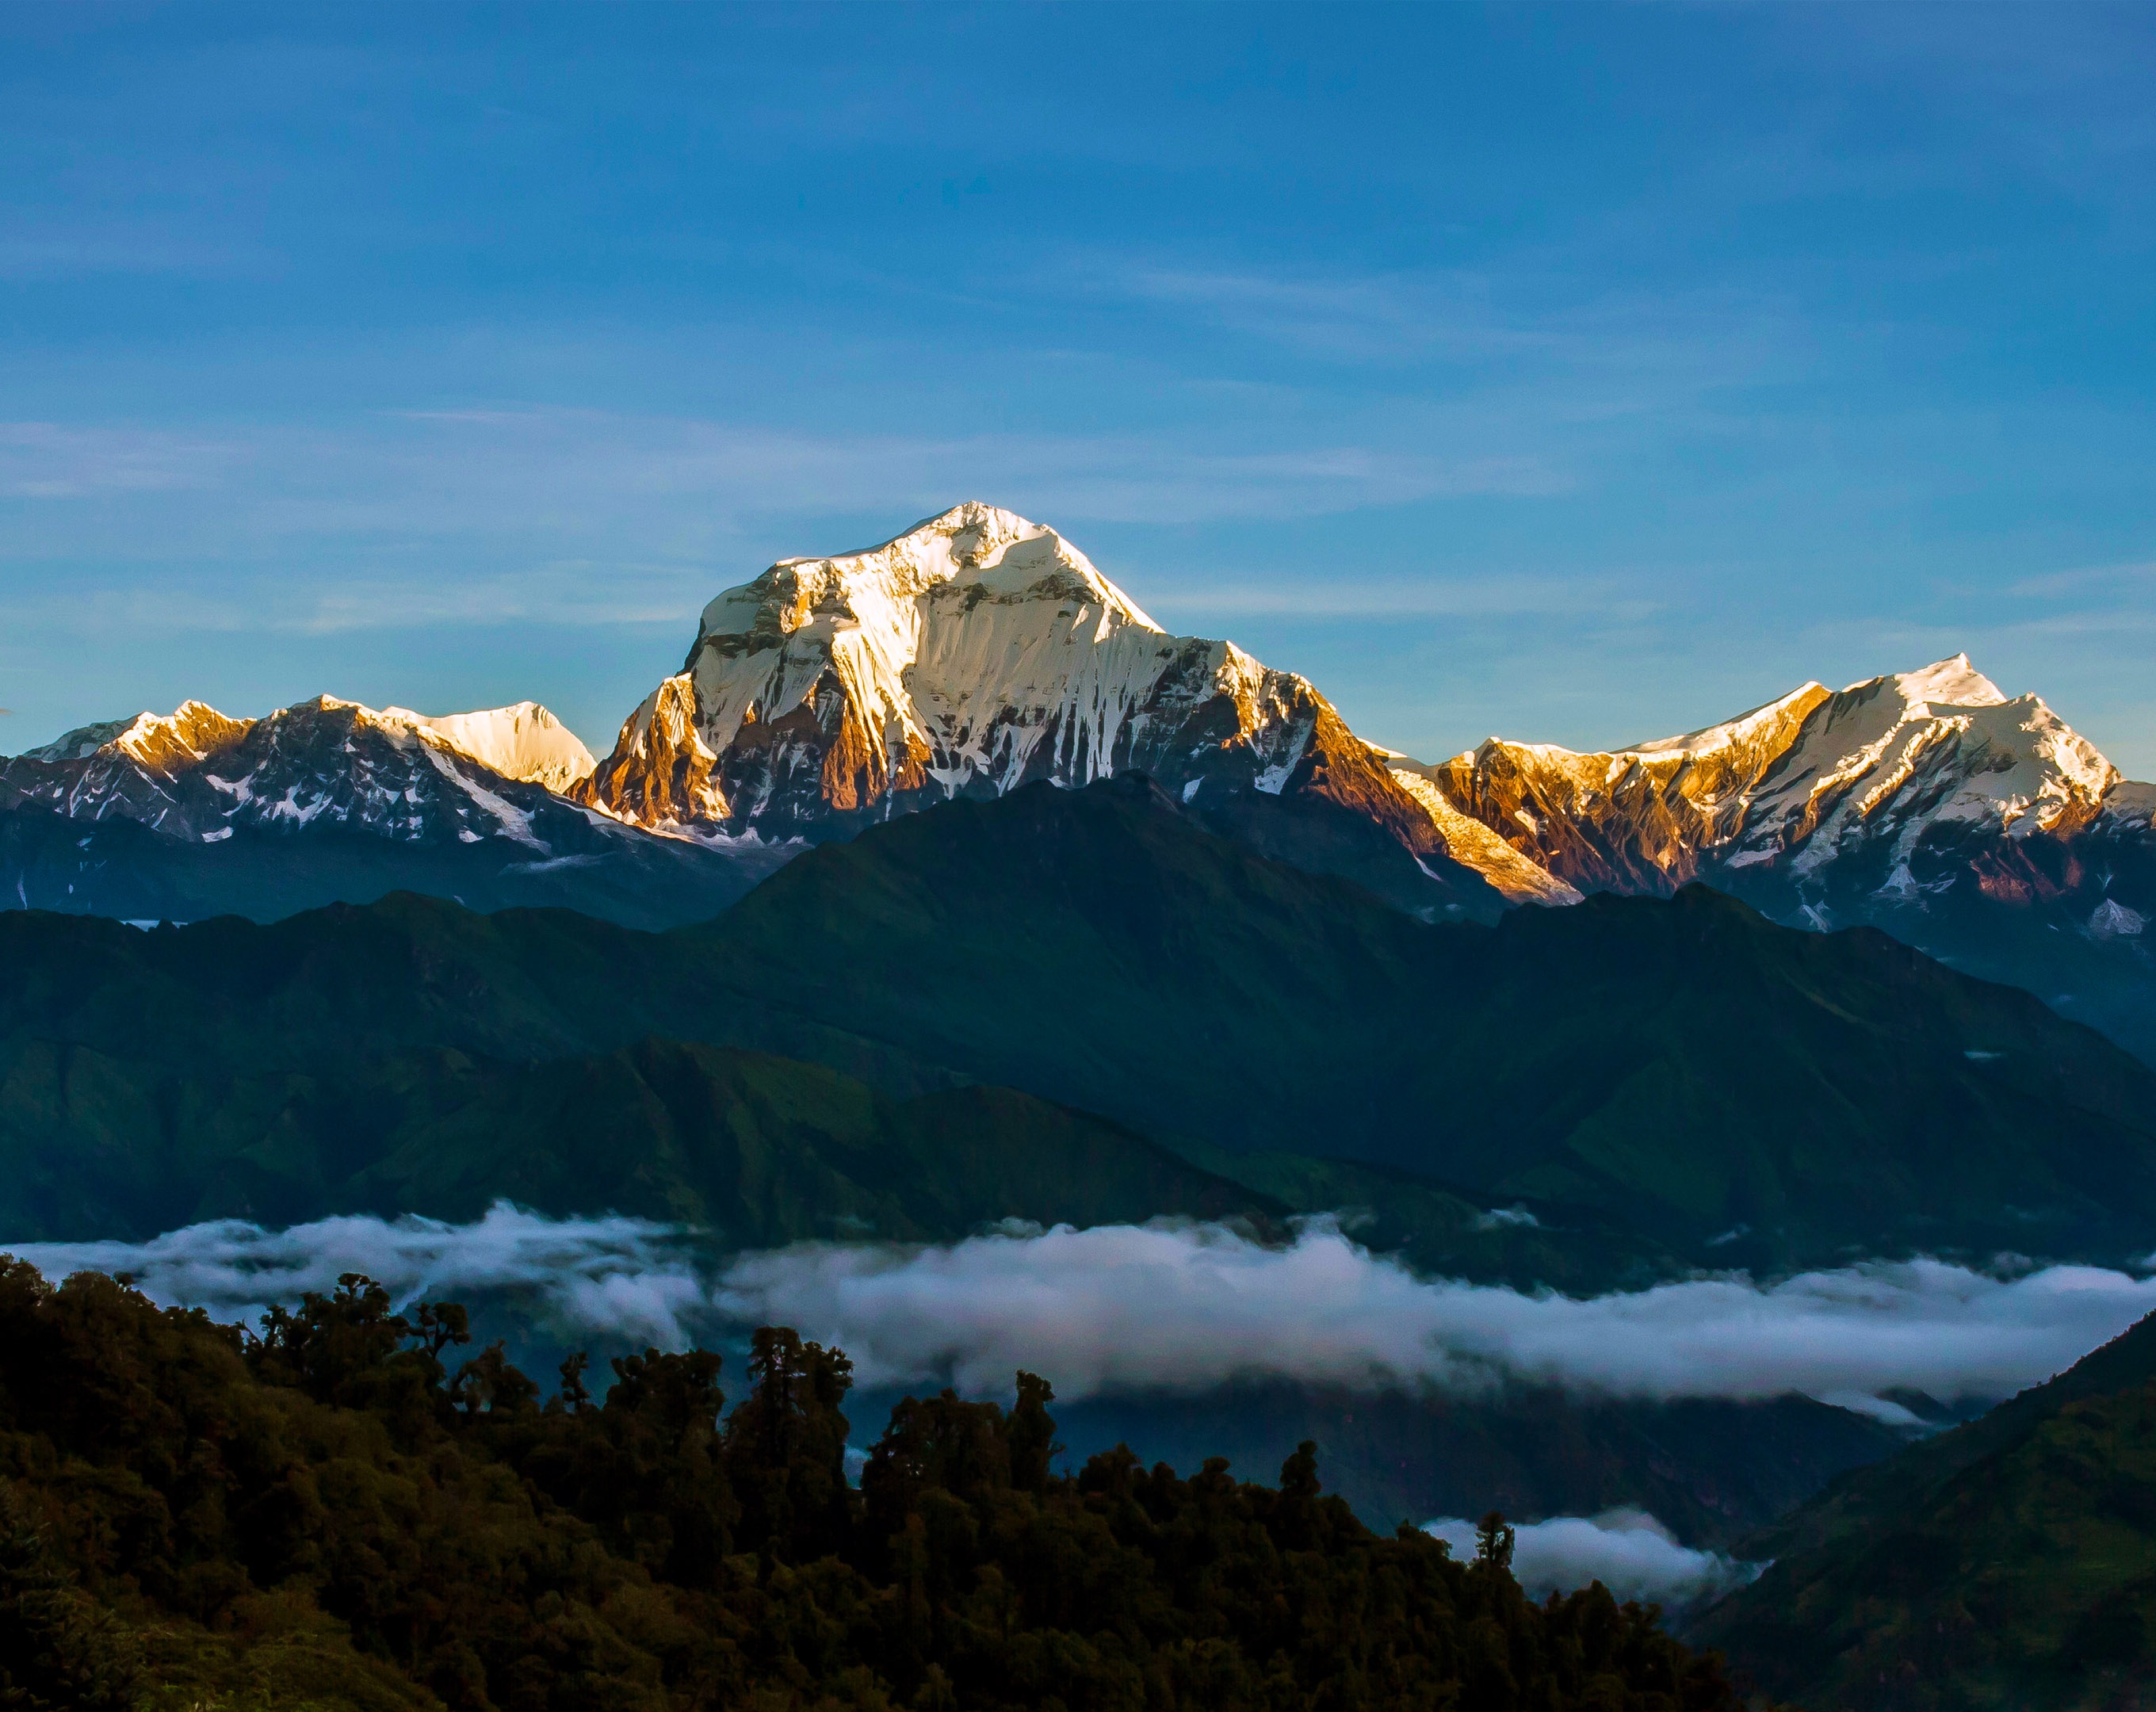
<point x="1674" y="1081"/>
<point x="194" y="814"/>
<point x="978" y="652"/>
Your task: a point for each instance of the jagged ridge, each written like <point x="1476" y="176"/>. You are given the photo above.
<point x="194" y="814"/>
<point x="196" y="773"/>
<point x="1810" y="779"/>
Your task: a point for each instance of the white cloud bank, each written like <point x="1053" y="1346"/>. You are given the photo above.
<point x="1186" y="1308"/>
<point x="1631" y="1553"/>
<point x="1123" y="1307"/>
<point x="622" y="1275"/>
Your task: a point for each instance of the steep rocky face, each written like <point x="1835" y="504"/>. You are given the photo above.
<point x="123" y="767"/>
<point x="978" y="653"/>
<point x="1518" y="878"/>
<point x="1634" y="820"/>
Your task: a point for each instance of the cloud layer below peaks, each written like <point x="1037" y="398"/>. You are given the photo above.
<point x="1180" y="1307"/>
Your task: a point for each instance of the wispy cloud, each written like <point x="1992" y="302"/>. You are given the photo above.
<point x="1121" y="1308"/>
<point x="2126" y="581"/>
<point x="1127" y="477"/>
<point x="1630" y="1552"/>
<point x="43" y="460"/>
<point x="1439" y="596"/>
<point x="579" y="516"/>
<point x="1570" y="350"/>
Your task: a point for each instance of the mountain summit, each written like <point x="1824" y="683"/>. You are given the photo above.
<point x="978" y="652"/>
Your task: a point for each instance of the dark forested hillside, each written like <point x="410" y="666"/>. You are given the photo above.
<point x="1712" y="1470"/>
<point x="1674" y="1078"/>
<point x="2010" y="1562"/>
<point x="348" y="1514"/>
<point x="1680" y="1062"/>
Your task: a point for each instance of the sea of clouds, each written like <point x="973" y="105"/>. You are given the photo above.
<point x="1180" y="1307"/>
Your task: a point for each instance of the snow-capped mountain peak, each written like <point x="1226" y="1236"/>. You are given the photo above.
<point x="161" y="741"/>
<point x="978" y="648"/>
<point x="1856" y="780"/>
<point x="976" y="652"/>
<point x="196" y="773"/>
<point x="523" y="742"/>
<point x="971" y="611"/>
<point x="983" y="550"/>
<point x="1905" y="753"/>
<point x="1952" y="682"/>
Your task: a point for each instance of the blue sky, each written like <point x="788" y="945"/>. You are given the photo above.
<point x="1580" y="374"/>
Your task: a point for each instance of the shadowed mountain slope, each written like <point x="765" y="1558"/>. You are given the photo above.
<point x="752" y="1151"/>
<point x="1679" y="1065"/>
<point x="2009" y="1562"/>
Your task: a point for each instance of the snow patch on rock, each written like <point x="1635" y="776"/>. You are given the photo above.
<point x="1517" y="879"/>
<point x="2113" y="920"/>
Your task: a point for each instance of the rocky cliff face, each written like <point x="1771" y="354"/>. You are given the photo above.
<point x="1635" y="820"/>
<point x="976" y="653"/>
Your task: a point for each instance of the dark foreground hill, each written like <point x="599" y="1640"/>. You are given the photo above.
<point x="328" y="1518"/>
<point x="2009" y="1563"/>
<point x="1674" y="1078"/>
